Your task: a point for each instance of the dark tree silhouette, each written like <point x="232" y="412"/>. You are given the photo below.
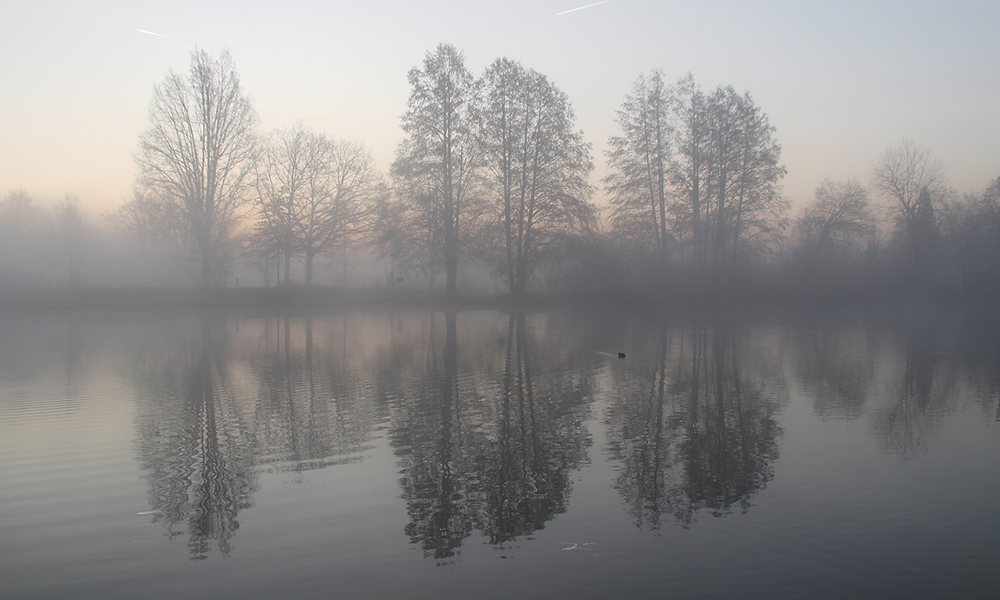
<point x="639" y="164"/>
<point x="439" y="157"/>
<point x="536" y="170"/>
<point x="839" y="219"/>
<point x="971" y="236"/>
<point x="699" y="170"/>
<point x="910" y="180"/>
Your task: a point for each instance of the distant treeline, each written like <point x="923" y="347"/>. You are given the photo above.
<point x="489" y="193"/>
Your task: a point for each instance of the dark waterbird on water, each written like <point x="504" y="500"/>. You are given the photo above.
<point x="621" y="355"/>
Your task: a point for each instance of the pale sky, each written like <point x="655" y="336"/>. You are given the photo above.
<point x="840" y="81"/>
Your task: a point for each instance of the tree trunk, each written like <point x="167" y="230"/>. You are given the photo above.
<point x="205" y="247"/>
<point x="509" y="237"/>
<point x="206" y="271"/>
<point x="451" y="269"/>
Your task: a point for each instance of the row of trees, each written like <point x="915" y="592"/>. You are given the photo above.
<point x="694" y="189"/>
<point x="490" y="167"/>
<point x="492" y="171"/>
<point x="842" y="217"/>
<point x="203" y="170"/>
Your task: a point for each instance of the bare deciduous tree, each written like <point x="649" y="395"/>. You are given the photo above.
<point x="689" y="166"/>
<point x="143" y="221"/>
<point x="902" y="174"/>
<point x="197" y="152"/>
<point x="746" y="207"/>
<point x="409" y="230"/>
<point x="341" y="204"/>
<point x="314" y="194"/>
<point x="280" y="183"/>
<point x="699" y="168"/>
<point x="839" y="218"/>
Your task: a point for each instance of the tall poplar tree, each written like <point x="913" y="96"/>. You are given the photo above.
<point x="440" y="152"/>
<point x="536" y="168"/>
<point x="639" y="163"/>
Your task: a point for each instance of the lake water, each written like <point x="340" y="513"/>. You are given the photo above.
<point x="422" y="454"/>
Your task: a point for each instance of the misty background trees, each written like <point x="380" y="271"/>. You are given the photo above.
<point x="60" y="245"/>
<point x="835" y="238"/>
<point x="490" y="192"/>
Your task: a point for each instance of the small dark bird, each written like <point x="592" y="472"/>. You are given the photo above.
<point x="621" y="355"/>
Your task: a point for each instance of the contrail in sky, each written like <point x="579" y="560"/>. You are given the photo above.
<point x="168" y="37"/>
<point x="582" y="7"/>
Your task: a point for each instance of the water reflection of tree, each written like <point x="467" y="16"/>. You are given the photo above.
<point x="311" y="411"/>
<point x="215" y="404"/>
<point x="921" y="389"/>
<point x="439" y="479"/>
<point x="836" y="369"/>
<point x="538" y="442"/>
<point x="483" y="446"/>
<point x="907" y="373"/>
<point x="697" y="434"/>
<point x="194" y="444"/>
<point x="982" y="349"/>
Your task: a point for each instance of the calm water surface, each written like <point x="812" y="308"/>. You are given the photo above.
<point x="479" y="454"/>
